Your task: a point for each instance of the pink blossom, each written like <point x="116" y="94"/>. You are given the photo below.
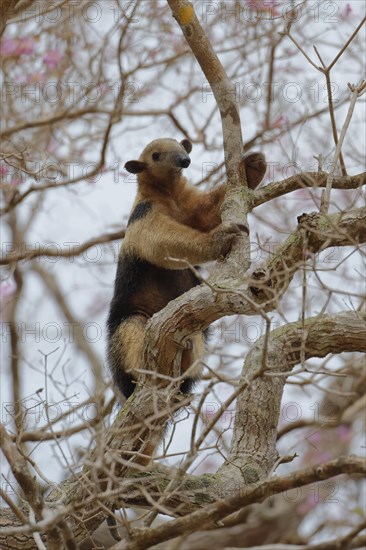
<point x="280" y="122"/>
<point x="7" y="289"/>
<point x="344" y="432"/>
<point x="3" y="170"/>
<point x="15" y="181"/>
<point x="52" y="58"/>
<point x="154" y="54"/>
<point x="8" y="47"/>
<point x="348" y="9"/>
<point x="25" y="46"/>
<point x="315" y="437"/>
<point x="308" y="504"/>
<point x="324" y="456"/>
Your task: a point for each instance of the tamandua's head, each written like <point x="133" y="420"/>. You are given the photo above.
<point x="162" y="160"/>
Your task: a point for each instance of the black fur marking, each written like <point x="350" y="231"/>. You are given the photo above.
<point x="126" y="284"/>
<point x="124" y="381"/>
<point x="142" y="289"/>
<point x="140" y="211"/>
<point x="188" y="385"/>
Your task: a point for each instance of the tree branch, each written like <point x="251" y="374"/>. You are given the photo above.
<point x="52" y="251"/>
<point x="260" y="291"/>
<point x="124" y="442"/>
<point x="301" y="181"/>
<point x="253" y="450"/>
<point x="235" y="206"/>
<point x="255" y="493"/>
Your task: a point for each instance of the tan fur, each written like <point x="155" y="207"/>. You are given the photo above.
<point x="171" y="223"/>
<point x="176" y="224"/>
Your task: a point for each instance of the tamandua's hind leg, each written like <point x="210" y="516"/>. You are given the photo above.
<point x="125" y="350"/>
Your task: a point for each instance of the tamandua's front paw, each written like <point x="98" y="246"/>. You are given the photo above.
<point x="223" y="237"/>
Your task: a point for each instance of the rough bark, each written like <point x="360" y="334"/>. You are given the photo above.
<point x="304" y="180"/>
<point x="84" y="499"/>
<point x="235" y="206"/>
<point x="255" y="493"/>
<point x="260" y="291"/>
<point x="253" y="450"/>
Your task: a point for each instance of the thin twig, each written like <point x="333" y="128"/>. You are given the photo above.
<point x="356" y="93"/>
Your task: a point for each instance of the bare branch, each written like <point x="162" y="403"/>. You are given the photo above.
<point x="256" y="493"/>
<point x="263" y="289"/>
<point x="234" y="208"/>
<point x="253" y="450"/>
<point x="301" y="181"/>
<point x="50" y="251"/>
<point x="356" y="93"/>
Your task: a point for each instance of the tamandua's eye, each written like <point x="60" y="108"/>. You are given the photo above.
<point x="155" y="156"/>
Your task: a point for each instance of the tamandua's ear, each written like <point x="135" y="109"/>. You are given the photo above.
<point x="255" y="168"/>
<point x="135" y="166"/>
<point x="187" y="145"/>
